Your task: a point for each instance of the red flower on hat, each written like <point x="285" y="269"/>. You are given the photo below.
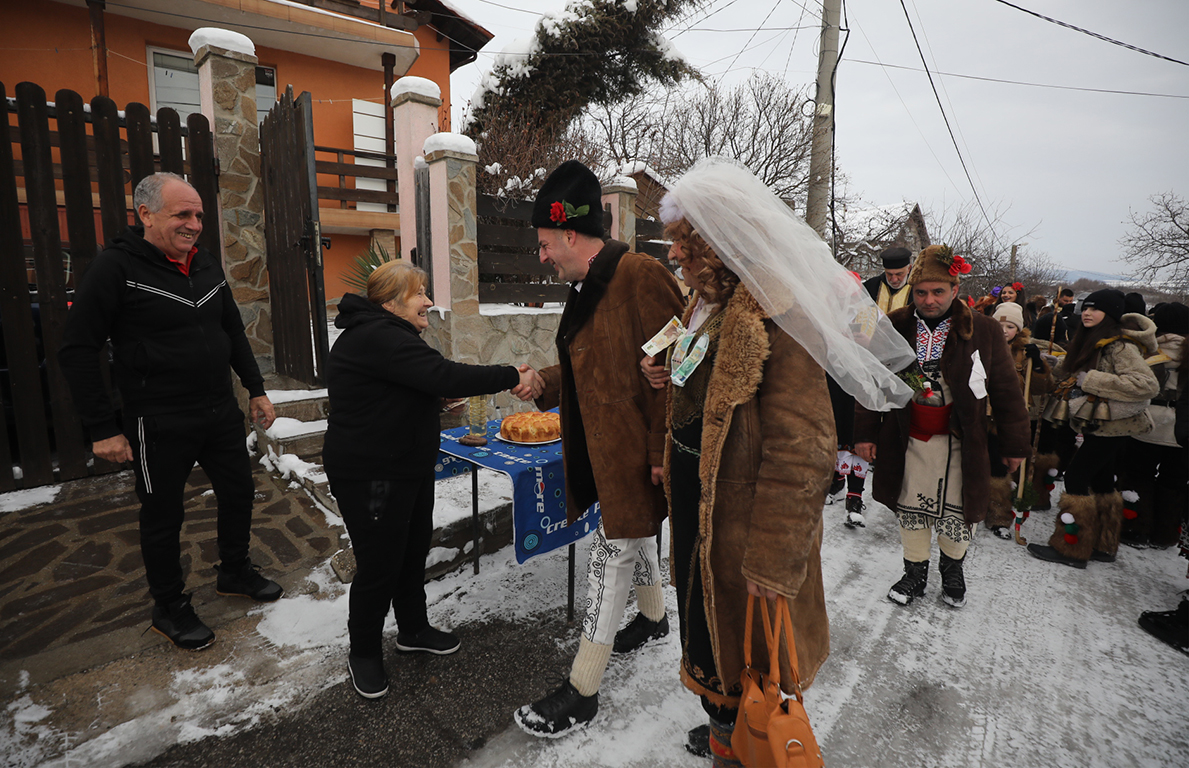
<point x="959" y="266"/>
<point x="1017" y="287"/>
<point x="557" y="213"/>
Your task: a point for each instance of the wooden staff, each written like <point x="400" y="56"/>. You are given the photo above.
<point x="1023" y="514"/>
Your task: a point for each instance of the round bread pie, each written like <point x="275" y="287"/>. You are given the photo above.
<point x="531" y="427"/>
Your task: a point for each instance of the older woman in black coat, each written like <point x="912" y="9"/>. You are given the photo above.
<point x="386" y="388"/>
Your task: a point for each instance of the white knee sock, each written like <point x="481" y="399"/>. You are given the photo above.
<point x="589" y="665"/>
<point x="650" y="598"/>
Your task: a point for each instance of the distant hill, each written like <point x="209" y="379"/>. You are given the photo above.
<point x="1073" y="275"/>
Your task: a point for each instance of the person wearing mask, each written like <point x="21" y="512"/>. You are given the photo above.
<point x="751" y="437"/>
<point x="1104" y="366"/>
<point x="387" y="388"/>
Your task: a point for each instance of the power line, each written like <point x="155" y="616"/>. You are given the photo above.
<point x="1110" y="40"/>
<point x="1022" y="82"/>
<point x="946" y="118"/>
<point x="753" y="37"/>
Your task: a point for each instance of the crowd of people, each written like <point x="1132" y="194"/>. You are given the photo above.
<point x="965" y="410"/>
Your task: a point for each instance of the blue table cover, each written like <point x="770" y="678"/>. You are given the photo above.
<point x="538" y="488"/>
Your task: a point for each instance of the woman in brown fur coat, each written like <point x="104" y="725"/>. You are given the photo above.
<point x="1026" y="355"/>
<point x="751" y="443"/>
<point x="1105" y="363"/>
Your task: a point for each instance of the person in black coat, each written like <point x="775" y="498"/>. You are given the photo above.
<point x="890" y="290"/>
<point x="176" y="333"/>
<point x="387" y="389"/>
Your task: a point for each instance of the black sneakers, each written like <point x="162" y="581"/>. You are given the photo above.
<point x="247" y="582"/>
<point x="178" y="622"/>
<point x="368" y="676"/>
<point x="558" y="713"/>
<point x="638" y="632"/>
<point x="911" y="584"/>
<point x="953" y="581"/>
<point x="428" y="640"/>
<point x="854" y="512"/>
<point x="697" y="741"/>
<point x="1171" y="627"/>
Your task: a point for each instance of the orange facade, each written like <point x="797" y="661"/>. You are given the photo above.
<point x="49" y="43"/>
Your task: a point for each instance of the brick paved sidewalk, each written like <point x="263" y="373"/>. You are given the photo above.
<point x="72" y="586"/>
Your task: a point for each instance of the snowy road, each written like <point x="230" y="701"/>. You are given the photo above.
<point x="1044" y="667"/>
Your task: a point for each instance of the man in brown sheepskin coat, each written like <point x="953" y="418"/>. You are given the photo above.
<point x="934" y="469"/>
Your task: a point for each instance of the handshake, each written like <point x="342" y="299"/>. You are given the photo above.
<point x="531" y="384"/>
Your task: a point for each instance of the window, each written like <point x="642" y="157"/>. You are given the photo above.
<point x="173" y="82"/>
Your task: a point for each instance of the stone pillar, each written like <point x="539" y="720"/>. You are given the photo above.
<point x="415" y="118"/>
<point x="455" y="232"/>
<point x="621" y="194"/>
<point x="227" y="87"/>
<point x="386" y="239"/>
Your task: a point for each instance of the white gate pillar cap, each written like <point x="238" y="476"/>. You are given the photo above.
<point x="222" y="38"/>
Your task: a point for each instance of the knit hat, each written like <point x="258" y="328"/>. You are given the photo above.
<point x="1012" y="313"/>
<point x="1134" y="303"/>
<point x="896" y="257"/>
<point x="1107" y="300"/>
<point x="571" y="198"/>
<point x="938" y="264"/>
<point x="1172" y="318"/>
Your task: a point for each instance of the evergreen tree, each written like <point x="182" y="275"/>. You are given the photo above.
<point x="593" y="52"/>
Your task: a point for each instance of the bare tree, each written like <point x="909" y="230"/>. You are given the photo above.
<point x="1156" y="248"/>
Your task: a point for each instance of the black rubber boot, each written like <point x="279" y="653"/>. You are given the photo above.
<point x="953" y="581"/>
<point x="911" y="584"/>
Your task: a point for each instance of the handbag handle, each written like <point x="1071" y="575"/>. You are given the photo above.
<point x="772" y="631"/>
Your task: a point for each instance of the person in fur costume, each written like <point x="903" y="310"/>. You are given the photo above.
<point x="1153" y="469"/>
<point x="1105" y="363"/>
<point x="934" y="465"/>
<point x="1000" y="512"/>
<point x="751" y="442"/>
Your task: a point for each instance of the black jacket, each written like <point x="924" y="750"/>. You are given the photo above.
<point x="385" y="385"/>
<point x="173" y="336"/>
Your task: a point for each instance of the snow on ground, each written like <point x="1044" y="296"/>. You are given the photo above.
<point x="1044" y="667"/>
<point x="30" y="497"/>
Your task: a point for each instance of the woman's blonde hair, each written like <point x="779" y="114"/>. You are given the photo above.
<point x="397" y="279"/>
<point x="718" y="281"/>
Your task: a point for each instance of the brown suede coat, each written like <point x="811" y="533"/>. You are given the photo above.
<point x="768" y="451"/>
<point x="969" y="332"/>
<point x="612" y="421"/>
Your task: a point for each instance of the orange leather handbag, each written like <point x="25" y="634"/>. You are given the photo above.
<point x="772" y="729"/>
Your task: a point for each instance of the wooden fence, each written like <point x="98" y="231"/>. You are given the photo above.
<point x="361" y="165"/>
<point x="76" y="178"/>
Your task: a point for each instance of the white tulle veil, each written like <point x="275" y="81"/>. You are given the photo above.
<point x="789" y="270"/>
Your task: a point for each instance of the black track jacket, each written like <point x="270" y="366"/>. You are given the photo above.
<point x="173" y="336"/>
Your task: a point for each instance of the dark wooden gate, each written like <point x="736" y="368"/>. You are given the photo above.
<point x="76" y="177"/>
<point x="293" y="238"/>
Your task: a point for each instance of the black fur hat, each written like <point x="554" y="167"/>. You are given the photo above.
<point x="571" y="198"/>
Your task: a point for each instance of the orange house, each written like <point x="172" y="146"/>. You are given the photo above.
<point x="344" y="52"/>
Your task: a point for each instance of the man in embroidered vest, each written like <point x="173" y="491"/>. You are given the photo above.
<point x="176" y="333"/>
<point x="890" y="290"/>
<point x="613" y="430"/>
<point x="934" y="468"/>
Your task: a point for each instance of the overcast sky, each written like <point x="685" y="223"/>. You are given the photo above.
<point x="1065" y="165"/>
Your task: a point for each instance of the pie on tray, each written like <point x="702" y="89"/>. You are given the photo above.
<point x="531" y="427"/>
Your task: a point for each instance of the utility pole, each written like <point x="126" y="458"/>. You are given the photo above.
<point x="99" y="45"/>
<point x="821" y="158"/>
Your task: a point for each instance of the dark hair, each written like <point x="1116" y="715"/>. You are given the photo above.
<point x="1082" y="354"/>
<point x="718" y="282"/>
<point x="1066" y="292"/>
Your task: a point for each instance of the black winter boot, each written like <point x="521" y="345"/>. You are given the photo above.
<point x="246" y="581"/>
<point x="638" y="632"/>
<point x="1171" y="627"/>
<point x="178" y="622"/>
<point x="953" y="581"/>
<point x="854" y="512"/>
<point x="558" y="713"/>
<point x="911" y="584"/>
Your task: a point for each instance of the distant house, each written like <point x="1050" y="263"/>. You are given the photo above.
<point x="338" y="50"/>
<point x="866" y="232"/>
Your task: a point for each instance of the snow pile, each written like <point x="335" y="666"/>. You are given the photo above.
<point x="286" y="427"/>
<point x="667" y="49"/>
<point x="308" y="621"/>
<point x="513" y="60"/>
<point x="418" y="85"/>
<point x="450" y="142"/>
<point x="276" y="396"/>
<point x="30" y="497"/>
<point x="222" y="38"/>
<point x="289" y="466"/>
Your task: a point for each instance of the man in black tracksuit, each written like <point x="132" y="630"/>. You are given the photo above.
<point x="174" y="328"/>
